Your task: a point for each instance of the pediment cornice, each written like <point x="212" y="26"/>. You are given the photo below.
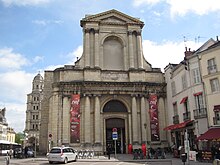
<point x="112" y="17"/>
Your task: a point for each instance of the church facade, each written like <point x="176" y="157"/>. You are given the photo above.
<point x="111" y="88"/>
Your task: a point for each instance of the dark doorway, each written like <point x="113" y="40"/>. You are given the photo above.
<point x="120" y="142"/>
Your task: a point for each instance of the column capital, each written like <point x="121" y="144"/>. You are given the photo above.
<point x="87" y="30"/>
<point x="96" y="31"/>
<point x="130" y="32"/>
<point x="138" y="33"/>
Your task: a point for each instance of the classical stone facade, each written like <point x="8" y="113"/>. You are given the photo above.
<point x="115" y="84"/>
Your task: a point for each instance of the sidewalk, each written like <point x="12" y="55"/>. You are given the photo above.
<point x="119" y="158"/>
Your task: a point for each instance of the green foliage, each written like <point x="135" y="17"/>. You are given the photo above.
<point x="18" y="137"/>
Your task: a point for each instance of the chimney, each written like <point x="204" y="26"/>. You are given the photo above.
<point x="217" y="38"/>
<point x="188" y="52"/>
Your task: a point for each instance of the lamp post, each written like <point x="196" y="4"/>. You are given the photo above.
<point x="145" y="127"/>
<point x="35" y="145"/>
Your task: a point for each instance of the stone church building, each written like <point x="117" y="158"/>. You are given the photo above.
<point x="111" y="88"/>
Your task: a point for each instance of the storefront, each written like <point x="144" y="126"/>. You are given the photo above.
<point x="208" y="144"/>
<point x="177" y="132"/>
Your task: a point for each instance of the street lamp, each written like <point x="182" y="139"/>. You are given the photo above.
<point x="35" y="145"/>
<point x="145" y="127"/>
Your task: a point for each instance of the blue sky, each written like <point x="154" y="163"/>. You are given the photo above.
<point x="38" y="35"/>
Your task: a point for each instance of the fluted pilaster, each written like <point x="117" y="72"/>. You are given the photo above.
<point x="97" y="120"/>
<point x="134" y="120"/>
<point x="87" y="120"/>
<point x="131" y="51"/>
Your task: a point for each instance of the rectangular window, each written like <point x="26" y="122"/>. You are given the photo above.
<point x="196" y="76"/>
<point x="175" y="110"/>
<point x="199" y="102"/>
<point x="184" y="81"/>
<point x="36" y="117"/>
<point x="214" y="85"/>
<point x="173" y="86"/>
<point x="211" y="66"/>
<point x="33" y="117"/>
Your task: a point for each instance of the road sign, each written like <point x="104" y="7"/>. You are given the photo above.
<point x="115" y="136"/>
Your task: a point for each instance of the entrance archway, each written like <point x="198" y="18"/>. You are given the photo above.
<point x="120" y="142"/>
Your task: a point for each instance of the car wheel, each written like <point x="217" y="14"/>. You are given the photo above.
<point x="50" y="162"/>
<point x="75" y="159"/>
<point x="65" y="161"/>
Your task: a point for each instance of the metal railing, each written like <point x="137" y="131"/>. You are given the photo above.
<point x="200" y="113"/>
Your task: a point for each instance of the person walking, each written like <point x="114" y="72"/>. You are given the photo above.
<point x="109" y="151"/>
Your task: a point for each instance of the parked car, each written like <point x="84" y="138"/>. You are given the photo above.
<point x="18" y="153"/>
<point x="62" y="154"/>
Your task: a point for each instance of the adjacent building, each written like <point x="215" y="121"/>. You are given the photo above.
<point x="33" y="112"/>
<point x="192" y="96"/>
<point x="7" y="134"/>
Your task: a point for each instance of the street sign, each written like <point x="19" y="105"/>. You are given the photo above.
<point x="115" y="136"/>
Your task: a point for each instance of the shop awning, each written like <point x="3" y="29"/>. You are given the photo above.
<point x="197" y="94"/>
<point x="184" y="100"/>
<point x="211" y="134"/>
<point x="178" y="126"/>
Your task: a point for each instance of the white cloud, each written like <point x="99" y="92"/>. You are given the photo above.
<point x="46" y="22"/>
<point x="24" y="2"/>
<point x="148" y="2"/>
<point x="38" y="58"/>
<point x="13" y="113"/>
<point x="182" y="7"/>
<point x="160" y="55"/>
<point x="10" y="60"/>
<point x="15" y="85"/>
<point x="77" y="53"/>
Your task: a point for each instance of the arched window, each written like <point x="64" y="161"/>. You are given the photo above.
<point x="113" y="54"/>
<point x="114" y="106"/>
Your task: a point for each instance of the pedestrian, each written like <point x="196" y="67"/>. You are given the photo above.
<point x="10" y="153"/>
<point x="109" y="151"/>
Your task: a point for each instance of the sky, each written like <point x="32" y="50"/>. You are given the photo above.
<point x="39" y="35"/>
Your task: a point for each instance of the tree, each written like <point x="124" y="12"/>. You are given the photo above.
<point x="18" y="137"/>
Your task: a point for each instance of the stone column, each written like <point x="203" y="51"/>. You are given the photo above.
<point x="125" y="57"/>
<point x="66" y="120"/>
<point x="97" y="121"/>
<point x="131" y="50"/>
<point x="134" y="120"/>
<point x="87" y="120"/>
<point x="139" y="50"/>
<point x="97" y="48"/>
<point x="143" y="120"/>
<point x="129" y="128"/>
<point x="87" y="48"/>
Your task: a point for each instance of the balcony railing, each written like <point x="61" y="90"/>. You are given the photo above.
<point x="200" y="113"/>
<point x="186" y="116"/>
<point x="212" y="69"/>
<point x="176" y="119"/>
<point x="216" y="120"/>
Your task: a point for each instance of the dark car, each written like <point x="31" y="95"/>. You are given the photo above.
<point x="18" y="153"/>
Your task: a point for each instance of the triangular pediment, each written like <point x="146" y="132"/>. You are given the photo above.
<point x="112" y="16"/>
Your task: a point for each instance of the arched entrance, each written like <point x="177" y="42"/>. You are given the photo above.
<point x="114" y="110"/>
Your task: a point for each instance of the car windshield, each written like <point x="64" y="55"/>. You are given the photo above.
<point x="55" y="151"/>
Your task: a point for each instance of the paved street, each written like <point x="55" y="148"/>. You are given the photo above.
<point x="123" y="159"/>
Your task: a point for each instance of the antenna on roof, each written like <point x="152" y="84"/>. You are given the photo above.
<point x="184" y="40"/>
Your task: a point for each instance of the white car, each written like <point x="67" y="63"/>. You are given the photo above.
<point x="62" y="154"/>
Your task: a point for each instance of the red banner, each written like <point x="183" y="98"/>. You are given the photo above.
<point x="154" y="121"/>
<point x="75" y="119"/>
